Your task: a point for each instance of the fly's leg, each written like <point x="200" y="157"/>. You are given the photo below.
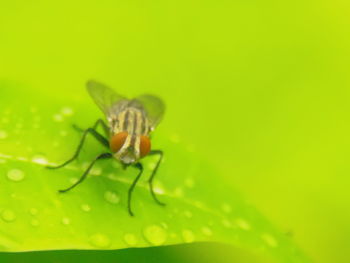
<point x="81" y="179"/>
<point x="150" y="180"/>
<point x="131" y="189"/>
<point x="97" y="136"/>
<point x="98" y="122"/>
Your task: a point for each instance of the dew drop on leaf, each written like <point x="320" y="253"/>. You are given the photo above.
<point x="207" y="231"/>
<point x="33" y="211"/>
<point x="65" y="221"/>
<point x="189" y="182"/>
<point x="269" y="240"/>
<point x="67" y="111"/>
<point x="8" y="215"/>
<point x="100" y="240"/>
<point x="155" y="235"/>
<point x="34" y="222"/>
<point x="242" y="224"/>
<point x="96" y="171"/>
<point x="73" y="180"/>
<point x="226" y="223"/>
<point x="188" y="214"/>
<point x="15" y="175"/>
<point x="188" y="236"/>
<point x="85" y="207"/>
<point x="3" y="134"/>
<point x="130" y="239"/>
<point x="226" y="208"/>
<point x="111" y="197"/>
<point x="40" y="159"/>
<point x="58" y="117"/>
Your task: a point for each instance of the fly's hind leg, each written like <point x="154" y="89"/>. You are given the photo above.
<point x="131" y="189"/>
<point x="150" y="180"/>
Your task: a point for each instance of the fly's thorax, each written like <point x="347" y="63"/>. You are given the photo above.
<point x="129" y="141"/>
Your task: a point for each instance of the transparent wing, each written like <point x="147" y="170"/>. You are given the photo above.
<point x="153" y="106"/>
<point x="106" y="99"/>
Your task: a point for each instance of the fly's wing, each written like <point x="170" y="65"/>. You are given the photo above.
<point x="153" y="106"/>
<point x="106" y="99"/>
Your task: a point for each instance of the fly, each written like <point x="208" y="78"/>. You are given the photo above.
<point x="126" y="134"/>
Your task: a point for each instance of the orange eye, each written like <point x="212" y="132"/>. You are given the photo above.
<point x="145" y="146"/>
<point x="117" y="141"/>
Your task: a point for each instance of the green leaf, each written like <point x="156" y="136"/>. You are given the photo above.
<point x="34" y="216"/>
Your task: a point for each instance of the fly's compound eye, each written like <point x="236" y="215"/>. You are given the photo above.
<point x="145" y="146"/>
<point x="117" y="141"/>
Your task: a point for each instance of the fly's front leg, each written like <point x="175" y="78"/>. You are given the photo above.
<point x="150" y="180"/>
<point x="81" y="179"/>
<point x="97" y="136"/>
<point x="131" y="189"/>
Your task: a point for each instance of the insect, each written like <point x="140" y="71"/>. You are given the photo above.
<point x="126" y="134"/>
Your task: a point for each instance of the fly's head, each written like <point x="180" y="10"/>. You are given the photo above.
<point x="129" y="148"/>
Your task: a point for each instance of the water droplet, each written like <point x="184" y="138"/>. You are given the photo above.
<point x="175" y="138"/>
<point x="199" y="204"/>
<point x="40" y="159"/>
<point x="151" y="166"/>
<point x="112" y="177"/>
<point x="33" y="109"/>
<point x="226" y="223"/>
<point x="8" y="215"/>
<point x="37" y="119"/>
<point x="15" y="175"/>
<point x="191" y="148"/>
<point x="207" y="231"/>
<point x="96" y="171"/>
<point x="155" y="235"/>
<point x="63" y="133"/>
<point x="226" y="208"/>
<point x="34" y="222"/>
<point x="100" y="240"/>
<point x="65" y="221"/>
<point x="188" y="214"/>
<point x="130" y="239"/>
<point x="164" y="225"/>
<point x="19" y="126"/>
<point x="178" y="192"/>
<point x="189" y="182"/>
<point x="73" y="180"/>
<point x="3" y="134"/>
<point x="158" y="190"/>
<point x="242" y="224"/>
<point x="269" y="240"/>
<point x="58" y="117"/>
<point x="112" y="197"/>
<point x="188" y="236"/>
<point x="85" y="207"/>
<point x="67" y="111"/>
<point x="22" y="159"/>
<point x="33" y="211"/>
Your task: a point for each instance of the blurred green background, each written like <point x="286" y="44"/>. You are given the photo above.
<point x="260" y="88"/>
